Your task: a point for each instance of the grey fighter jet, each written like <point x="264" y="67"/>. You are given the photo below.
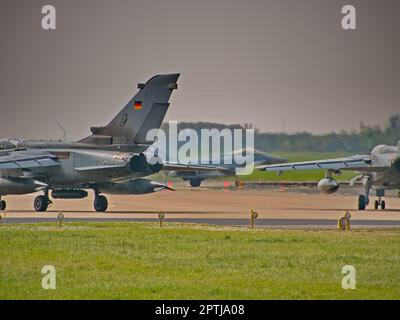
<point x="195" y="178"/>
<point x="111" y="160"/>
<point x="379" y="170"/>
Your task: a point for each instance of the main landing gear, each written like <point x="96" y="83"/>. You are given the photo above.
<point x="3" y="205"/>
<point x="363" y="200"/>
<point x="100" y="202"/>
<point x="41" y="203"/>
<point x="195" y="182"/>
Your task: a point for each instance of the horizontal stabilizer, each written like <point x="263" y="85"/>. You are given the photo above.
<point x="168" y="166"/>
<point x="99" y="168"/>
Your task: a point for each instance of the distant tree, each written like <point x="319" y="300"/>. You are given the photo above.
<point x="394" y="122"/>
<point x="359" y="141"/>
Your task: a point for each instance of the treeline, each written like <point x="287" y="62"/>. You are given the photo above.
<point x="362" y="140"/>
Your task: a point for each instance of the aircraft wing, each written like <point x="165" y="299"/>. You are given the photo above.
<point x="168" y="166"/>
<point x="26" y="160"/>
<point x="356" y="163"/>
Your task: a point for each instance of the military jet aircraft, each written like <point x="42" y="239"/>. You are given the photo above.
<point x="195" y="178"/>
<point x="111" y="160"/>
<point x="379" y="170"/>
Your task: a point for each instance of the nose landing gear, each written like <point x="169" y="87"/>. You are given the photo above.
<point x="380" y="203"/>
<point x="380" y="193"/>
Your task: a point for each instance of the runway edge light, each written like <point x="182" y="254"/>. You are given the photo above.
<point x="344" y="222"/>
<point x="161" y="216"/>
<point x="3" y="215"/>
<point x="253" y="217"/>
<point x="60" y="218"/>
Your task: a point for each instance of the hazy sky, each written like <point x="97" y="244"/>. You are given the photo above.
<point x="258" y="61"/>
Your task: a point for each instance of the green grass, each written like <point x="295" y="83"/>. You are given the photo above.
<point x="141" y="261"/>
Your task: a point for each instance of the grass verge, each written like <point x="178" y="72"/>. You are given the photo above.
<point x="110" y="260"/>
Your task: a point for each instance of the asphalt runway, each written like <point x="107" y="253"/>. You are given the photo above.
<point x="276" y="207"/>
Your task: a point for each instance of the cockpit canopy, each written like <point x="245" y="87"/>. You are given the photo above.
<point x="382" y="148"/>
<point x="6" y="144"/>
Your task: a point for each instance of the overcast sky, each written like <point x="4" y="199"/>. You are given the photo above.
<point x="257" y="61"/>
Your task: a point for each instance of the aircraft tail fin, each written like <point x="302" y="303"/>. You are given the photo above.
<point x="145" y="111"/>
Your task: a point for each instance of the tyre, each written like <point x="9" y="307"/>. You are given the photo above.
<point x="376" y="204"/>
<point x="3" y="205"/>
<point x="101" y="204"/>
<point x="41" y="203"/>
<point x="361" y="202"/>
<point x="383" y="205"/>
<point x="195" y="182"/>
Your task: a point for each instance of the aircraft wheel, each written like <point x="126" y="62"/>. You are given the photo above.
<point x="383" y="204"/>
<point x="195" y="182"/>
<point x="3" y="205"/>
<point x="376" y="205"/>
<point x="101" y="204"/>
<point x="41" y="203"/>
<point x="361" y="202"/>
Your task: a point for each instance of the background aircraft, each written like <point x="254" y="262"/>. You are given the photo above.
<point x="111" y="160"/>
<point x="379" y="170"/>
<point x="229" y="170"/>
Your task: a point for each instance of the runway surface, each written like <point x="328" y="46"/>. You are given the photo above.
<point x="277" y="208"/>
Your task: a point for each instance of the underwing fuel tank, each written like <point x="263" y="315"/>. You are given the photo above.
<point x="16" y="185"/>
<point x="69" y="194"/>
<point x="135" y="186"/>
<point x="328" y="185"/>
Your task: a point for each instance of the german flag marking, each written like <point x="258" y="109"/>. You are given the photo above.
<point x="138" y="105"/>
